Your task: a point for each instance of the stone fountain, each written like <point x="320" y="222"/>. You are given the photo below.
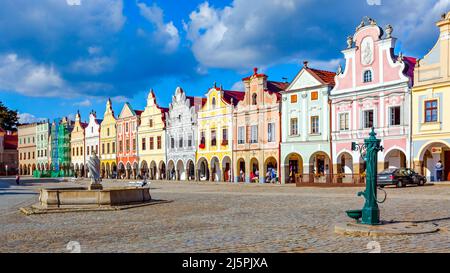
<point x="94" y="197"/>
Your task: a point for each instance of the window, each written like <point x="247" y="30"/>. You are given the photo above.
<point x="314" y="124"/>
<point x="343" y="121"/>
<point x="189" y="141"/>
<point x="127" y="144"/>
<point x="394" y="115"/>
<point x="108" y="148"/>
<point x="143" y="144"/>
<point x="158" y="142"/>
<point x="367" y="76"/>
<point x="78" y="151"/>
<point x="241" y="135"/>
<point x="294" y="126"/>
<point x="113" y="147"/>
<point x="107" y="131"/>
<point x="254" y="99"/>
<point x="368" y="119"/>
<point x="103" y="148"/>
<point x="254" y="134"/>
<point x="213" y="103"/>
<point x="81" y="151"/>
<point x="152" y="146"/>
<point x="431" y="111"/>
<point x="271" y="132"/>
<point x="293" y="98"/>
<point x="213" y="138"/>
<point x="126" y="127"/>
<point x="180" y="142"/>
<point x="134" y="144"/>
<point x="87" y="150"/>
<point x="92" y="130"/>
<point x="120" y="146"/>
<point x="172" y="143"/>
<point x="150" y="122"/>
<point x="202" y="138"/>
<point x="224" y="136"/>
<point x="314" y="95"/>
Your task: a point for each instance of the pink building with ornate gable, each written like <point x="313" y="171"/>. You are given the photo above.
<point x="372" y="91"/>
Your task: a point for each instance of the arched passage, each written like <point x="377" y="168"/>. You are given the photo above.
<point x="254" y="170"/>
<point x="181" y="172"/>
<point x="240" y="170"/>
<point x="430" y="155"/>
<point x="128" y="171"/>
<point x="293" y="168"/>
<point x="203" y="170"/>
<point x="319" y="168"/>
<point x="270" y="170"/>
<point x="226" y="169"/>
<point x="162" y="170"/>
<point x="144" y="169"/>
<point x="344" y="168"/>
<point x="153" y="170"/>
<point x="190" y="168"/>
<point x="395" y="158"/>
<point x="171" y="170"/>
<point x="216" y="173"/>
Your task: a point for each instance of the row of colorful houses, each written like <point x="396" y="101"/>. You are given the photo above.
<point x="291" y="132"/>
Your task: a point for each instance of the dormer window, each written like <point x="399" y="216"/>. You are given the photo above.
<point x="254" y="99"/>
<point x="367" y="76"/>
<point x="214" y="103"/>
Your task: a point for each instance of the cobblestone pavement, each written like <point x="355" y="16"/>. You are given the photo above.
<point x="210" y="217"/>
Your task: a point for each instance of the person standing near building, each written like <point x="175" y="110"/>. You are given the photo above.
<point x="439" y="168"/>
<point x="17" y="179"/>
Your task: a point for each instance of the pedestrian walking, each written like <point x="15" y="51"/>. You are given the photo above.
<point x="17" y="179"/>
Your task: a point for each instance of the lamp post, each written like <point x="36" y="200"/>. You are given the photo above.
<point x="369" y="151"/>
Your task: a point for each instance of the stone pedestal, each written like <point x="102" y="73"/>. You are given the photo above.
<point x="95" y="186"/>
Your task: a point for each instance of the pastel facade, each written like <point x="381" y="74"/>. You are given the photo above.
<point x="64" y="152"/>
<point x="108" y="143"/>
<point x="127" y="134"/>
<point x="42" y="142"/>
<point x="152" y="140"/>
<point x="215" y="135"/>
<point x="372" y="91"/>
<point x="9" y="156"/>
<point x="305" y="123"/>
<point x="77" y="146"/>
<point x="181" y="134"/>
<point x="256" y="130"/>
<point x="27" y="148"/>
<point x="92" y="138"/>
<point x="431" y="111"/>
<point x="53" y="146"/>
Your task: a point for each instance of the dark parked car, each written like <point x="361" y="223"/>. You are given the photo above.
<point x="400" y="177"/>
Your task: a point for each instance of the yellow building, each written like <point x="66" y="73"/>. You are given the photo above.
<point x="108" y="143"/>
<point x="152" y="140"/>
<point x="77" y="143"/>
<point x="431" y="100"/>
<point x="215" y="139"/>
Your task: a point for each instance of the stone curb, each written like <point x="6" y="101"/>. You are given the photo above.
<point x="385" y="229"/>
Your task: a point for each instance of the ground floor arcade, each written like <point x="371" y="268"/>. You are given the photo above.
<point x="427" y="154"/>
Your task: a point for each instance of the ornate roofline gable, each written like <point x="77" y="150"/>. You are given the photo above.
<point x="370" y="49"/>
<point x="126" y="106"/>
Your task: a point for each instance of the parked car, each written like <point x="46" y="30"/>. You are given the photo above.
<point x="400" y="177"/>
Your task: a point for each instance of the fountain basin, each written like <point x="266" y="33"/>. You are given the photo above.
<point x="83" y="197"/>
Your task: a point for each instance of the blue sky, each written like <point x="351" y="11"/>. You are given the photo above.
<point x="57" y="56"/>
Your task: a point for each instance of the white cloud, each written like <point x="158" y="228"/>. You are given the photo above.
<point x="29" y="118"/>
<point x="84" y="103"/>
<point x="29" y="78"/>
<point x="238" y="86"/>
<point x="249" y="33"/>
<point x="166" y="33"/>
<point x="93" y="66"/>
<point x="73" y="2"/>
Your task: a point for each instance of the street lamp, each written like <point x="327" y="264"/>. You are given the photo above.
<point x="369" y="151"/>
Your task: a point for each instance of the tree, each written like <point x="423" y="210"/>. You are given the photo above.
<point x="8" y="118"/>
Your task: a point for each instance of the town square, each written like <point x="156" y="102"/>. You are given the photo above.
<point x="234" y="126"/>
